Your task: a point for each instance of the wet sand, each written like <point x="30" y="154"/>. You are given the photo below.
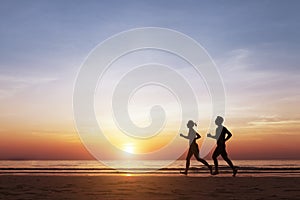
<point x="148" y="187"/>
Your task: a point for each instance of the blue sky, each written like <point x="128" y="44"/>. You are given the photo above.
<point x="50" y="39"/>
<point x="51" y="33"/>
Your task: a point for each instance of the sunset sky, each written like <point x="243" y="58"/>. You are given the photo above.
<point x="254" y="44"/>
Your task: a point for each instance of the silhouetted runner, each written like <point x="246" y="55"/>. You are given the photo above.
<point x="222" y="135"/>
<point x="193" y="150"/>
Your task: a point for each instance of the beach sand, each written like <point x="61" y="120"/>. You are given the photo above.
<point x="148" y="187"/>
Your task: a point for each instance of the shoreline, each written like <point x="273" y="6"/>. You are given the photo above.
<point x="203" y="175"/>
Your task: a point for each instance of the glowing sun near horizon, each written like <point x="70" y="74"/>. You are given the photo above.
<point x="129" y="148"/>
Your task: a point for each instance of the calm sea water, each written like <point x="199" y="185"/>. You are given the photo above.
<point x="149" y="167"/>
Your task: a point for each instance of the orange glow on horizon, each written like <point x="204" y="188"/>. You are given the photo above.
<point x="243" y="145"/>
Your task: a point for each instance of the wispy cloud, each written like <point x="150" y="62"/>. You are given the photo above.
<point x="236" y="59"/>
<point x="273" y="120"/>
<point x="11" y="85"/>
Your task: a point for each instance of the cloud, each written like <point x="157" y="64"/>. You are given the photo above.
<point x="264" y="57"/>
<point x="273" y="120"/>
<point x="235" y="60"/>
<point x="11" y="85"/>
<point x="245" y="69"/>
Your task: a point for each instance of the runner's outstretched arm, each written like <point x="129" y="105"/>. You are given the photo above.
<point x="186" y="137"/>
<point x="211" y="136"/>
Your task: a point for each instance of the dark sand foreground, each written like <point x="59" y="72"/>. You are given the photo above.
<point x="148" y="187"/>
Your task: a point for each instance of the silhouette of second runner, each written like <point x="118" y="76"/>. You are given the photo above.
<point x="222" y="135"/>
<point x="193" y="150"/>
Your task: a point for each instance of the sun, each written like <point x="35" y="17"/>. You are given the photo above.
<point x="129" y="148"/>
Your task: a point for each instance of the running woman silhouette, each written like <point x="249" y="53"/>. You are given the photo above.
<point x="222" y="135"/>
<point x="193" y="150"/>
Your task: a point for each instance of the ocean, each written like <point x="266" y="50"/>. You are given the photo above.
<point x="145" y="167"/>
